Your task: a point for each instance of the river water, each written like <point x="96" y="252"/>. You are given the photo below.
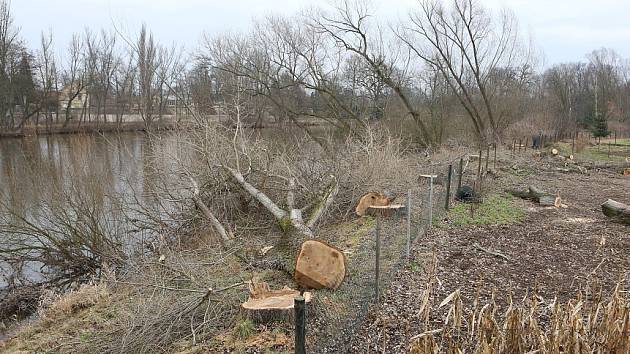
<point x="99" y="165"/>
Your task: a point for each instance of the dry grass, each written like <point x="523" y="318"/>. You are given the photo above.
<point x="589" y="323"/>
<point x="55" y="307"/>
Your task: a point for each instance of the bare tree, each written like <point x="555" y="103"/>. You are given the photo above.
<point x="48" y="78"/>
<point x="349" y="26"/>
<point x="281" y="60"/>
<point x="468" y="46"/>
<point x="8" y="40"/>
<point x="73" y="75"/>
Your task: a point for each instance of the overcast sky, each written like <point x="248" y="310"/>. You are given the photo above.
<point x="565" y="30"/>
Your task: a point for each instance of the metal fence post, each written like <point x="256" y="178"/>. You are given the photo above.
<point x="448" y="187"/>
<point x="461" y="173"/>
<point x="430" y="203"/>
<point x="479" y="166"/>
<point x="299" y="305"/>
<point x="408" y="223"/>
<point x="378" y="259"/>
<point x="487" y="157"/>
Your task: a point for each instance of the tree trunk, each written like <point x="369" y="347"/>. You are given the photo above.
<point x="618" y="212"/>
<point x="539" y="196"/>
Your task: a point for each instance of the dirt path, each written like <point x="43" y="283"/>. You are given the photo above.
<point x="558" y="251"/>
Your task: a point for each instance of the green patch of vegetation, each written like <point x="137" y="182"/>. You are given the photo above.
<point x="285" y="224"/>
<point x="624" y="142"/>
<point x="414" y="266"/>
<point x="618" y="152"/>
<point x="243" y="329"/>
<point x="496" y="209"/>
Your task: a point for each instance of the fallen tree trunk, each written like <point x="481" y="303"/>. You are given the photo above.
<point x="618" y="212"/>
<point x="543" y="198"/>
<point x="216" y="224"/>
<point x="539" y="196"/>
<point x="291" y="219"/>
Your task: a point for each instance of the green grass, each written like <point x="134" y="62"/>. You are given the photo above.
<point x="414" y="266"/>
<point x="624" y="142"/>
<point x="496" y="209"/>
<point x="617" y="153"/>
<point x="243" y="329"/>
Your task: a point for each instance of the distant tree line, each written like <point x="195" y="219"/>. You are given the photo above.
<point x="451" y="69"/>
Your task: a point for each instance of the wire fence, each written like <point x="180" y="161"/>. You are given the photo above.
<point x="381" y="248"/>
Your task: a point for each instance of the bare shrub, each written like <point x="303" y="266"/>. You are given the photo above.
<point x="73" y="231"/>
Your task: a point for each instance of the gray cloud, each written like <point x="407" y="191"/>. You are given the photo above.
<point x="564" y="30"/>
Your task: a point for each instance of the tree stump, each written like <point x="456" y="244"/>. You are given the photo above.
<point x="319" y="265"/>
<point x="266" y="305"/>
<point x="372" y="199"/>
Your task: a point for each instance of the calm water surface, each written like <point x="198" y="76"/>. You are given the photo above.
<point x="30" y="168"/>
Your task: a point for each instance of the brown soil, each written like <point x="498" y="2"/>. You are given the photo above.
<point x="556" y="251"/>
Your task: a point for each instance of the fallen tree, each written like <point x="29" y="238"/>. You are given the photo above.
<point x="290" y="219"/>
<point x="539" y="196"/>
<point x="617" y="211"/>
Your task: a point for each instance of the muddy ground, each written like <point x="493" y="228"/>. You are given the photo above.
<point x="559" y="251"/>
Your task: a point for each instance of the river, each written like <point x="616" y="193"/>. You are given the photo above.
<point x="31" y="169"/>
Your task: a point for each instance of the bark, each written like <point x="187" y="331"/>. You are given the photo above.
<point x="321" y="208"/>
<point x="617" y="211"/>
<point x="286" y="220"/>
<point x="539" y="196"/>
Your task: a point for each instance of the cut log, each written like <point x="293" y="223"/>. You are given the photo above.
<point x="617" y="211"/>
<point x="387" y="210"/>
<point x="319" y="265"/>
<point x="539" y="196"/>
<point x="543" y="198"/>
<point x="554" y="152"/>
<point x="626" y="172"/>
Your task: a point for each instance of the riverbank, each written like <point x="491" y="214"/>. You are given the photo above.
<point x="88" y="128"/>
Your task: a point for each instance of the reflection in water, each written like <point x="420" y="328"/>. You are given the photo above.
<point x="34" y="170"/>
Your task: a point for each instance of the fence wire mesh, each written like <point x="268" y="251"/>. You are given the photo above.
<point x="332" y="326"/>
